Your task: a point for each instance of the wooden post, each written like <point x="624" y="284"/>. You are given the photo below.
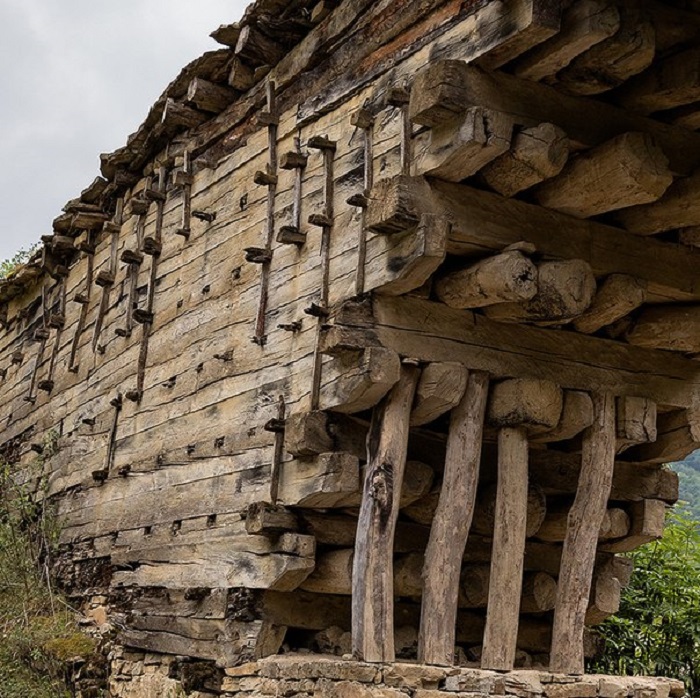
<point x="578" y="556"/>
<point x="453" y="517"/>
<point x="372" y="574"/>
<point x="364" y="120"/>
<point x="106" y="280"/>
<point x="260" y="336"/>
<point x="516" y="406"/>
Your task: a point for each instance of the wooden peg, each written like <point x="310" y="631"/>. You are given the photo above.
<point x="265" y="178"/>
<point x="204" y="216"/>
<point x="257" y="255"/>
<point x="291" y="235"/>
<point x="143" y="317"/>
<point x="290" y="326"/>
<point x="104" y="279"/>
<point x="293" y="160"/>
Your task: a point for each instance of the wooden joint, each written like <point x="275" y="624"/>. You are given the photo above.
<point x="292" y="160"/>
<point x="265" y="178"/>
<point x="152" y="246"/>
<point x="321" y="143"/>
<point x="183" y="179"/>
<point x="133" y="395"/>
<point x="138" y="206"/>
<point x="111" y="228"/>
<point x="56" y="321"/>
<point x="275" y="426"/>
<point x="316" y="310"/>
<point x="100" y="475"/>
<point x="204" y="216"/>
<point x="104" y="279"/>
<point x="320" y="220"/>
<point x="398" y="96"/>
<point x="87" y="247"/>
<point x="263" y="518"/>
<point x="183" y="232"/>
<point x="143" y="317"/>
<point x="359" y="200"/>
<point x="122" y="332"/>
<point x="117" y="401"/>
<point x="132" y="257"/>
<point x="268" y="118"/>
<point x="154" y="194"/>
<point x="124" y="470"/>
<point x="41" y="335"/>
<point x="258" y="255"/>
<point x="291" y="235"/>
<point x="362" y="118"/>
<point x="47" y="385"/>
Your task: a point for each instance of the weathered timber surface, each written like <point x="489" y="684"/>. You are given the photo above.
<point x="483" y="223"/>
<point x="584" y="521"/>
<point x="451" y="523"/>
<point x="431" y="331"/>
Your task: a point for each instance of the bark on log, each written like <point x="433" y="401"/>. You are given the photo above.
<point x="509" y="276"/>
<point x="578" y="557"/>
<point x="626" y="171"/>
<point x="372" y="575"/>
<point x="565" y="291"/>
<point x="536" y="154"/>
<point x="450" y="528"/>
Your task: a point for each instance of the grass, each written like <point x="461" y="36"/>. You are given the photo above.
<point x="38" y="630"/>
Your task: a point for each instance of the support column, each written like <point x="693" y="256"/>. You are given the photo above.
<point x="578" y="556"/>
<point x="373" y="569"/>
<point x="451" y="524"/>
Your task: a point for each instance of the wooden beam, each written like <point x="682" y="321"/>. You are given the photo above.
<point x="578" y="556"/>
<point x="648" y="519"/>
<point x="534" y="21"/>
<point x="671" y="82"/>
<point x="679" y="207"/>
<point x="673" y="328"/>
<point x="459" y="148"/>
<point x="431" y="331"/>
<point x="446" y="89"/>
<point x="509" y="276"/>
<point x="628" y="170"/>
<point x="483" y="223"/>
<point x="618" y="296"/>
<point x="440" y="388"/>
<point x="209" y="96"/>
<point x="678" y="435"/>
<point x="585" y="23"/>
<point x="537" y="153"/>
<point x="636" y="422"/>
<point x="565" y="290"/>
<point x="613" y="61"/>
<point x="453" y="516"/>
<point x="576" y="415"/>
<point x="372" y="574"/>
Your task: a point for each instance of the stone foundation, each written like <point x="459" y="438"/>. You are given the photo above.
<point x="138" y="675"/>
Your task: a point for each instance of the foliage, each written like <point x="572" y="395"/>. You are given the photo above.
<point x="689" y="476"/>
<point x="657" y="630"/>
<point x="8" y="266"/>
<point x="38" y="632"/>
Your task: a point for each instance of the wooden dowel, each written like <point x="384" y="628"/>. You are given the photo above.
<point x="372" y="574"/>
<point x="578" y="556"/>
<point x="448" y="534"/>
<point x="364" y="120"/>
<point x="278" y="453"/>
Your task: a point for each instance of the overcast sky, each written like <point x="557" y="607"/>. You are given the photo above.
<point x="76" y="77"/>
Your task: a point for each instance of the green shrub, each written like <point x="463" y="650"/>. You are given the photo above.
<point x="657" y="630"/>
<point x="8" y="266"/>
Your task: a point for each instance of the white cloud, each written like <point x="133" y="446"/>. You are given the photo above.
<point x="76" y="77"/>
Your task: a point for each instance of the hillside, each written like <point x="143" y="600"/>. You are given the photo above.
<point x="689" y="474"/>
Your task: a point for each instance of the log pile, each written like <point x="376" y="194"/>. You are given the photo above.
<point x="382" y="324"/>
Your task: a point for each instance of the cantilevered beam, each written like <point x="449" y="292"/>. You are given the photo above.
<point x="431" y="331"/>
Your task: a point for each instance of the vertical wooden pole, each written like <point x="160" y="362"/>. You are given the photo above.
<point x="114" y="228"/>
<point x="364" y="120"/>
<point x="278" y="452"/>
<point x="451" y="523"/>
<point x="507" y="559"/>
<point x="584" y="520"/>
<point x="372" y="573"/>
<point x="272" y="118"/>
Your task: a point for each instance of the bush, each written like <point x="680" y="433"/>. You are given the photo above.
<point x="8" y="266"/>
<point x="38" y="631"/>
<point x="657" y="630"/>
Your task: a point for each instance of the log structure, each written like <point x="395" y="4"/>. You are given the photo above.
<point x="374" y="338"/>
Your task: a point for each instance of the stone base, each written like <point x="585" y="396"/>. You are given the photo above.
<point x="138" y="675"/>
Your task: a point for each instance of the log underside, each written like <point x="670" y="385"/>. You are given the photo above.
<point x="381" y="324"/>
